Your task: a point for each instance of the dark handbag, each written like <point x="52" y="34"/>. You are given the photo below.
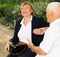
<point x="18" y="49"/>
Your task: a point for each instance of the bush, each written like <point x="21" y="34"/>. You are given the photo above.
<point x="9" y="10"/>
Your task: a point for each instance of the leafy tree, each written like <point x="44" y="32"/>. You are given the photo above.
<point x="9" y="10"/>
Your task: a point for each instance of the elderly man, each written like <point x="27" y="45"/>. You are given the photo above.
<point x="50" y="46"/>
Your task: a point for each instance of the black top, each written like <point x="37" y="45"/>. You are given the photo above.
<point x="37" y="22"/>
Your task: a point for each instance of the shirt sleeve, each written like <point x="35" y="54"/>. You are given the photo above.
<point x="49" y="40"/>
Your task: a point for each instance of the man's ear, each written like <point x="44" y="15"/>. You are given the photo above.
<point x="51" y="15"/>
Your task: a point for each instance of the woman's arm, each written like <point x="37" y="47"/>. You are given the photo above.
<point x="15" y="38"/>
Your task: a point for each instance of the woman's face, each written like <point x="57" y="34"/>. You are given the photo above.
<point x="26" y="10"/>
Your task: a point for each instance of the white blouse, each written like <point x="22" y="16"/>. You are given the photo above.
<point x="25" y="31"/>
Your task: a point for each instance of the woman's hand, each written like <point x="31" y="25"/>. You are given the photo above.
<point x="7" y="46"/>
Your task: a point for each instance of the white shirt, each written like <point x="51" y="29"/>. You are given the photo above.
<point x="25" y="31"/>
<point x="51" y="41"/>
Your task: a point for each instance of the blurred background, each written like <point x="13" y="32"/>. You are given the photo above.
<point x="10" y="12"/>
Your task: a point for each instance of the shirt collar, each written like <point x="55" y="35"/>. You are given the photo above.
<point x="54" y="22"/>
<point x="23" y="20"/>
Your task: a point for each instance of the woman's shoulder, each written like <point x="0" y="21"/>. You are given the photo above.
<point x="38" y="18"/>
<point x="18" y="20"/>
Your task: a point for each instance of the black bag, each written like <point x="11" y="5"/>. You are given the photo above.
<point x="18" y="49"/>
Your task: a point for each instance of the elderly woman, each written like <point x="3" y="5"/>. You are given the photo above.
<point x="24" y="30"/>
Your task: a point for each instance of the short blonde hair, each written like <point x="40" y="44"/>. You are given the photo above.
<point x="28" y="3"/>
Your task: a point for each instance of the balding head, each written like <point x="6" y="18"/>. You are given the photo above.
<point x="53" y="11"/>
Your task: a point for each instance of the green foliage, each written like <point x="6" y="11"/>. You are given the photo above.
<point x="9" y="10"/>
<point x="40" y="8"/>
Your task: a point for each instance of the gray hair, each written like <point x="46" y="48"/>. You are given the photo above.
<point x="53" y="5"/>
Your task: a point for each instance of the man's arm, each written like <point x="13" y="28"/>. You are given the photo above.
<point x="36" y="49"/>
<point x="40" y="31"/>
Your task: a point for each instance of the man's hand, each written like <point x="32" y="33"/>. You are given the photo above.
<point x="35" y="49"/>
<point x="40" y="31"/>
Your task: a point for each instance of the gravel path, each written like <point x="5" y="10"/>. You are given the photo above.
<point x="5" y="35"/>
